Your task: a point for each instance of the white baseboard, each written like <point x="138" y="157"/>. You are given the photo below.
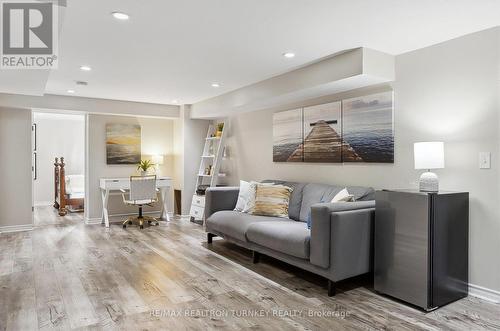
<point x="92" y="221"/>
<point x="97" y="220"/>
<point x="16" y="228"/>
<point x="43" y="203"/>
<point x="484" y="293"/>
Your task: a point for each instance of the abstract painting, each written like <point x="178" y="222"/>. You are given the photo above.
<point x="368" y="128"/>
<point x="287" y="136"/>
<point x="323" y="133"/>
<point x="123" y="144"/>
<point x="359" y="129"/>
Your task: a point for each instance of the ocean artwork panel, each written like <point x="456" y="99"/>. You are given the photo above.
<point x="287" y="136"/>
<point x="359" y="129"/>
<point x="368" y="128"/>
<point x="323" y="133"/>
<point x="123" y="143"/>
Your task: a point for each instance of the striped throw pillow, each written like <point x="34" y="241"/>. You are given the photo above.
<point x="272" y="200"/>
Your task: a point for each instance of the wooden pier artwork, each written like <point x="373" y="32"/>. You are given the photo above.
<point x="359" y="129"/>
<point x="324" y="144"/>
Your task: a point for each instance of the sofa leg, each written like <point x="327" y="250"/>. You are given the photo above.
<point x="209" y="237"/>
<point x="255" y="257"/>
<point x="331" y="288"/>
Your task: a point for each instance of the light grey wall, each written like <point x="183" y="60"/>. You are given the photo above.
<point x="450" y="92"/>
<point x="447" y="92"/>
<point x="16" y="192"/>
<point x="57" y="135"/>
<point x="178" y="153"/>
<point x="157" y="138"/>
<point x="194" y="132"/>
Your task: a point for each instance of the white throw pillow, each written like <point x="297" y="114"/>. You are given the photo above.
<point x="343" y="196"/>
<point x="244" y="195"/>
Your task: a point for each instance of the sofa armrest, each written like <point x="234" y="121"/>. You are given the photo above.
<point x="220" y="198"/>
<point x="345" y="206"/>
<point x="351" y="245"/>
<point x="330" y="221"/>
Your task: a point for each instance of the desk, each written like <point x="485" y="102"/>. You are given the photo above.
<point x="115" y="184"/>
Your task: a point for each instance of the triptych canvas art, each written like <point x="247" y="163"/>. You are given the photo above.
<point x="359" y="129"/>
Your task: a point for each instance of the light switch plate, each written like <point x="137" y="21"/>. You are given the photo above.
<point x="484" y="160"/>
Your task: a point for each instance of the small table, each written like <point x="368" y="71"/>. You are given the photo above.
<point x="115" y="184"/>
<point x="422" y="246"/>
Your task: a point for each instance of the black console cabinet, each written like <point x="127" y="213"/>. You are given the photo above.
<point x="421" y="246"/>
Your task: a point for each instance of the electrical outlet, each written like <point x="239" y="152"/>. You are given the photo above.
<point x="484" y="160"/>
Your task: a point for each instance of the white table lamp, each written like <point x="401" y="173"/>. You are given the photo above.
<point x="429" y="155"/>
<point x="157" y="161"/>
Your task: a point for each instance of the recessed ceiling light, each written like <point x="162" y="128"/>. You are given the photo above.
<point x="215" y="85"/>
<point x="85" y="68"/>
<point x="120" y="16"/>
<point x="289" y="55"/>
<point x="71" y="91"/>
<point x="175" y="101"/>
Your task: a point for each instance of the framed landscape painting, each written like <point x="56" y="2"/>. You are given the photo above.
<point x="323" y="133"/>
<point x="368" y="128"/>
<point x="123" y="144"/>
<point x="287" y="136"/>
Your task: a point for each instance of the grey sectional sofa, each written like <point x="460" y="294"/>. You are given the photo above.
<point x="338" y="245"/>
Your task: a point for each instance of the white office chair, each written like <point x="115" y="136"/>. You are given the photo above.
<point x="142" y="192"/>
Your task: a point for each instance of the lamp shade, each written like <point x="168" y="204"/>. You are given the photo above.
<point x="157" y="159"/>
<point x="429" y="155"/>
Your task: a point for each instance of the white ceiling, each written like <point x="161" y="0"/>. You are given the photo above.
<point x="176" y="49"/>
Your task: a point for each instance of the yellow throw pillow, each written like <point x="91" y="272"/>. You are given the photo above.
<point x="272" y="200"/>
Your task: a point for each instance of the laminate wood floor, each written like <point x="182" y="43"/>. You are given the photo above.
<point x="67" y="275"/>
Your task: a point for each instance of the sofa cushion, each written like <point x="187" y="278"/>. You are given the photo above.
<point x="295" y="197"/>
<point x="235" y="224"/>
<point x="289" y="237"/>
<point x="315" y="193"/>
<point x="361" y="193"/>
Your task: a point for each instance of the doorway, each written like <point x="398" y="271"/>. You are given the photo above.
<point x="58" y="164"/>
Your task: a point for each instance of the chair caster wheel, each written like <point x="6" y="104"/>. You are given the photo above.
<point x="129" y="222"/>
<point x="157" y="224"/>
<point x="142" y="227"/>
<point x="124" y="226"/>
<point x="149" y="222"/>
